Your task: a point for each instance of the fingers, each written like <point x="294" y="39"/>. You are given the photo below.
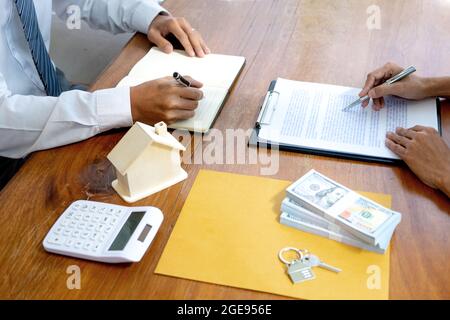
<point x="385" y="90"/>
<point x="395" y="148"/>
<point x="374" y="79"/>
<point x="378" y="104"/>
<point x="398" y="139"/>
<point x="205" y="47"/>
<point x="370" y="83"/>
<point x="185" y="104"/>
<point x="190" y="39"/>
<point x="365" y="103"/>
<point x="190" y="93"/>
<point x="408" y="133"/>
<point x="194" y="83"/>
<point x="195" y="39"/>
<point x="161" y="42"/>
<point x="183" y="98"/>
<point x="422" y="129"/>
<point x="178" y="109"/>
<point x="418" y="128"/>
<point x="372" y="86"/>
<point x="182" y="36"/>
<point x="378" y="93"/>
<point x="402" y="141"/>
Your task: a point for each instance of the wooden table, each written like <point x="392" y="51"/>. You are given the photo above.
<point x="321" y="41"/>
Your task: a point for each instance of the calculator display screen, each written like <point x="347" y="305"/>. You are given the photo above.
<point x="127" y="230"/>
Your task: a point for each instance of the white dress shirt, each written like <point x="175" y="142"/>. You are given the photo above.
<point x="30" y="120"/>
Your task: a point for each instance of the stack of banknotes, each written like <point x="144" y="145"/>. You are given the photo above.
<point x="319" y="205"/>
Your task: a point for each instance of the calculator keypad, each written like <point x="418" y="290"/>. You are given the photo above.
<point x="86" y="227"/>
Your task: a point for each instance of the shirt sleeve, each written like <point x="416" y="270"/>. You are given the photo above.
<point x="32" y="123"/>
<point x="115" y="16"/>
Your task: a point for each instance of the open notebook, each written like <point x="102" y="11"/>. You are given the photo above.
<point x="216" y="72"/>
<point x="308" y="117"/>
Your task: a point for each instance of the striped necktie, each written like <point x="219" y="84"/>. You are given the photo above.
<point x="39" y="52"/>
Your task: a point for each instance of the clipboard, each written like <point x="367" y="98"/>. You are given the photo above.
<point x="268" y="108"/>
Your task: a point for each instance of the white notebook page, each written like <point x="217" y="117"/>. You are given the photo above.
<point x="214" y="70"/>
<point x="310" y="115"/>
<point x="206" y="111"/>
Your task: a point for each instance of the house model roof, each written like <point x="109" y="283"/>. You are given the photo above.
<point x="137" y="140"/>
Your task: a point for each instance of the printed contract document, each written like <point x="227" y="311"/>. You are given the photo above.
<point x="309" y="116"/>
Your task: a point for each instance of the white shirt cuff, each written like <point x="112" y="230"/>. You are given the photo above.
<point x="114" y="108"/>
<point x="145" y="14"/>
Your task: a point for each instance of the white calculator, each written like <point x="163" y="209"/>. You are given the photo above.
<point x="104" y="232"/>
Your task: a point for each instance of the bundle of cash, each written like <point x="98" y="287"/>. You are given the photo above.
<point x="319" y="205"/>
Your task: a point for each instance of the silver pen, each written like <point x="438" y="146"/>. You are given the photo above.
<point x="392" y="80"/>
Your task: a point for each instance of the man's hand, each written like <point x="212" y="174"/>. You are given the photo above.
<point x="426" y="154"/>
<point x="411" y="87"/>
<point x="191" y="39"/>
<point x="164" y="100"/>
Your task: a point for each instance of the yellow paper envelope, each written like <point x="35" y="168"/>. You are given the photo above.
<point x="228" y="233"/>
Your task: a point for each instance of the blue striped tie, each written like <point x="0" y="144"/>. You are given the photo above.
<point x="39" y="52"/>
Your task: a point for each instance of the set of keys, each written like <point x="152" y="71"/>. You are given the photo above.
<point x="300" y="269"/>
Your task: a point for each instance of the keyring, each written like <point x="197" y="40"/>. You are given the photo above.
<point x="299" y="252"/>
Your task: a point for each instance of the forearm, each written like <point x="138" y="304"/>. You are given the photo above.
<point x="32" y="123"/>
<point x="115" y="16"/>
<point x="437" y="87"/>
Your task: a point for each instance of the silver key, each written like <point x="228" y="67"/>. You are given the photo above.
<point x="300" y="271"/>
<point x="314" y="261"/>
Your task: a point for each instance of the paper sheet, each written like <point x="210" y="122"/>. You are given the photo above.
<point x="231" y="236"/>
<point x="206" y="112"/>
<point x="311" y="115"/>
<point x="216" y="72"/>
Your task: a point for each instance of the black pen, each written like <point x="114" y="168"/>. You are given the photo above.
<point x="181" y="80"/>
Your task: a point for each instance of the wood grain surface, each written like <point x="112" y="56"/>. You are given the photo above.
<point x="323" y="41"/>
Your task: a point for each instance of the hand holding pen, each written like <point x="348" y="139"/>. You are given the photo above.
<point x="377" y="86"/>
<point x="168" y="99"/>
